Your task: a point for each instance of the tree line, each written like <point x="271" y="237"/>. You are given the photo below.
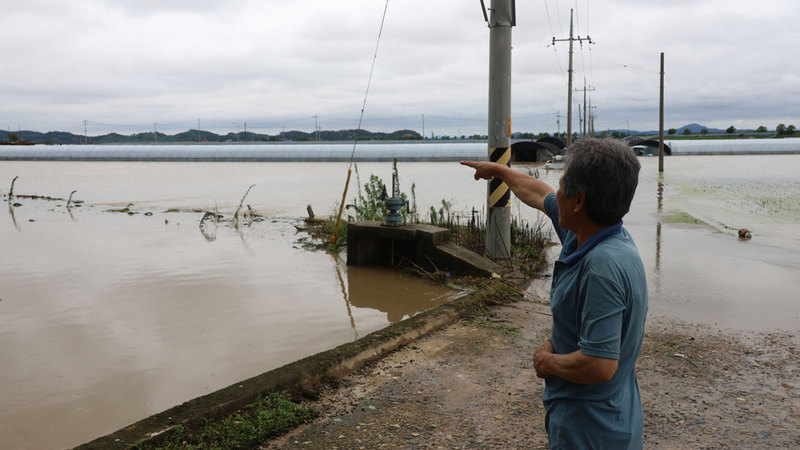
<point x="781" y="130"/>
<point x="63" y="137"/>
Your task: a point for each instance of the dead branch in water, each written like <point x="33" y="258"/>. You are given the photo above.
<point x="253" y="215"/>
<point x="236" y="214"/>
<point x="11" y="191"/>
<point x="69" y="200"/>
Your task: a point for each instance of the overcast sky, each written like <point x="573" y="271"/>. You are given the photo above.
<point x="124" y="65"/>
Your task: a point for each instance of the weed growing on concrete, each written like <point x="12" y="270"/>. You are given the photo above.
<point x="268" y="417"/>
<point x="371" y="204"/>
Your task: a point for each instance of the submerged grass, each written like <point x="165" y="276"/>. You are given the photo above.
<point x="675" y="216"/>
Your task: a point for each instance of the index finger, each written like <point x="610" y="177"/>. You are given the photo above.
<point x="472" y="164"/>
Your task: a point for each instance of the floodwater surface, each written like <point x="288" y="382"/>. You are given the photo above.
<point x="108" y="317"/>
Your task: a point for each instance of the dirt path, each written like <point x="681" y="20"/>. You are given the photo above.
<point x="472" y="385"/>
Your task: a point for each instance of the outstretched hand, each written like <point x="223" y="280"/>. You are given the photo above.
<point x="483" y="169"/>
<point x="528" y="189"/>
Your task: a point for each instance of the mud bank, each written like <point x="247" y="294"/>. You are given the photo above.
<point x="472" y="385"/>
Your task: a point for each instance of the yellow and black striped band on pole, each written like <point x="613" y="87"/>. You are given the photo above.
<point x="499" y="194"/>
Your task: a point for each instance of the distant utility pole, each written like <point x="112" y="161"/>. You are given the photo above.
<point x="155" y="132"/>
<point x="585" y="116"/>
<point x="423" y="127"/>
<point x="569" y="72"/>
<point x="558" y="122"/>
<point x="85" y="135"/>
<point x="316" y="128"/>
<point x="245" y="131"/>
<point x="661" y="120"/>
<point x="498" y="221"/>
<point x="198" y="130"/>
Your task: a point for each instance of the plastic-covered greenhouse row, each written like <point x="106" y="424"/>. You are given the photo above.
<point x="364" y="151"/>
<point x="253" y="152"/>
<point x="735" y="147"/>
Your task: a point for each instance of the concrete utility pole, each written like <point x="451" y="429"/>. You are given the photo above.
<point x="85" y="135"/>
<point x="498" y="222"/>
<point x="584" y="127"/>
<point x="661" y="120"/>
<point x="569" y="72"/>
<point x="558" y="121"/>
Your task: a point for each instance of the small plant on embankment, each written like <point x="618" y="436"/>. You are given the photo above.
<point x="371" y="204"/>
<point x="268" y="417"/>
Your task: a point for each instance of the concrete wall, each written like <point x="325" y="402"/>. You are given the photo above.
<point x="426" y="246"/>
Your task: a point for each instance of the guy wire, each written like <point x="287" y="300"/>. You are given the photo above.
<point x="369" y="82"/>
<point x="358" y="130"/>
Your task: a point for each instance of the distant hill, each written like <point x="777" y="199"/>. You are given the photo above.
<point x="696" y="128"/>
<point x="63" y="137"/>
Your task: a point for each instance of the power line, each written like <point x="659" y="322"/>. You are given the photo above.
<point x="571" y="40"/>
<point x="628" y="66"/>
<point x="553" y="33"/>
<point x="591" y="67"/>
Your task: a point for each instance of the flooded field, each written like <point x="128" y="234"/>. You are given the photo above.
<point x="108" y="317"/>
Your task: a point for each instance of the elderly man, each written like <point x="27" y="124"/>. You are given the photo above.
<point x="598" y="297"/>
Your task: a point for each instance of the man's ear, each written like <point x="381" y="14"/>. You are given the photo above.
<point x="580" y="202"/>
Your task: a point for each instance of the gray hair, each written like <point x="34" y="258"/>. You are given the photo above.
<point x="607" y="172"/>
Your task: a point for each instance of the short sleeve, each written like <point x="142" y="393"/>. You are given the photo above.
<point x="601" y="318"/>
<point x="551" y="209"/>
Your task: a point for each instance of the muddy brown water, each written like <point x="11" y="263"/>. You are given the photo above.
<point x="108" y="317"/>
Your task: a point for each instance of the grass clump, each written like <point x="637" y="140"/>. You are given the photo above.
<point x="268" y="417"/>
<point x="494" y="324"/>
<point x="371" y="203"/>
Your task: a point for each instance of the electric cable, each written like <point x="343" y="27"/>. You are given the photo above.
<point x="335" y="236"/>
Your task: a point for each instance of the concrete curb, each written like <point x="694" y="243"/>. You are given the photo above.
<point x="300" y="374"/>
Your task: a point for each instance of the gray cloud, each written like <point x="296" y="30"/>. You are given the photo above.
<point x="278" y="64"/>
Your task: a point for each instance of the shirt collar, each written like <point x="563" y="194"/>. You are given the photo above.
<point x="572" y="253"/>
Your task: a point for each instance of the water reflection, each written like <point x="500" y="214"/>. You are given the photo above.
<point x="13" y="217"/>
<point x="209" y="232"/>
<point x="394" y="293"/>
<point x="338" y="264"/>
<point x="69" y="211"/>
<point x="659" y="208"/>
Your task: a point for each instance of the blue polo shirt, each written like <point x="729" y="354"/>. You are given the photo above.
<point x="599" y="304"/>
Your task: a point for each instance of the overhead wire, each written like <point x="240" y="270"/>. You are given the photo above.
<point x="588" y="33"/>
<point x="335" y="236"/>
<point x="369" y="82"/>
<point x="555" y="49"/>
<point x="628" y="66"/>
